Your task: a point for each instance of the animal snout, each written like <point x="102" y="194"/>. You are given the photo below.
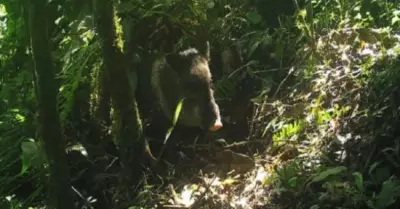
<point x="217" y="125"/>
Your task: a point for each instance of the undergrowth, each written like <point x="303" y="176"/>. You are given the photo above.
<point x="332" y="125"/>
<point x="323" y="132"/>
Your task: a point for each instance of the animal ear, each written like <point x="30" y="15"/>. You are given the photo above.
<point x="204" y="49"/>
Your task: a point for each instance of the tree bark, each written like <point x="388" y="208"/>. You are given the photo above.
<point x="59" y="189"/>
<point x="129" y="134"/>
<point x="101" y="103"/>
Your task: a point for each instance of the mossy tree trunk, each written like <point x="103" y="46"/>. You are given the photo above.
<point x="101" y="104"/>
<point x="59" y="192"/>
<point x="129" y="128"/>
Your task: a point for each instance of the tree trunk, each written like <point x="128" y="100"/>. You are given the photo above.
<point x="101" y="103"/>
<point x="59" y="192"/>
<point x="129" y="134"/>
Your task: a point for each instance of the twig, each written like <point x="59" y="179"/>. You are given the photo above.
<point x="197" y="203"/>
<point x="82" y="197"/>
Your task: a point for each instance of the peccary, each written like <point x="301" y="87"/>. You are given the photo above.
<point x="168" y="78"/>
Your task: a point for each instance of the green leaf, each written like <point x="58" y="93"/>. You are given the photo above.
<point x="175" y="119"/>
<point x="395" y="20"/>
<point x="328" y="172"/>
<point x="177" y="111"/>
<point x="210" y="4"/>
<point x="359" y="181"/>
<point x="20" y="117"/>
<point x="29" y="155"/>
<point x="254" y="17"/>
<point x="3" y="11"/>
<point x="303" y="13"/>
<point x="293" y="181"/>
<point x="389" y="193"/>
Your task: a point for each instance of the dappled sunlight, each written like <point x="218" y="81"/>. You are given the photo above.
<point x="240" y="191"/>
<point x="303" y="135"/>
<point x="202" y="104"/>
